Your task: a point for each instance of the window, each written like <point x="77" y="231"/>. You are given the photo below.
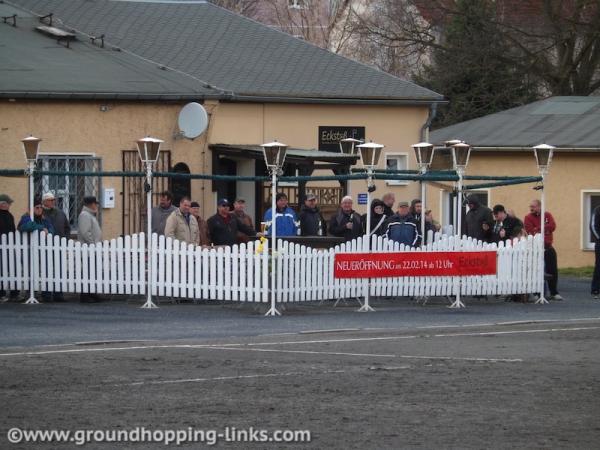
<point x="297" y="4"/>
<point x="591" y="200"/>
<point x="396" y="161"/>
<point x="69" y="190"/>
<point x="449" y="204"/>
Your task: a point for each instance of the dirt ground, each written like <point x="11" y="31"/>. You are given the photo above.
<point x="522" y="385"/>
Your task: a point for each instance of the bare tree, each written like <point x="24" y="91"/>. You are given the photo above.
<point x="246" y="8"/>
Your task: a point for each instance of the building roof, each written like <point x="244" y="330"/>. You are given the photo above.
<point x="565" y="122"/>
<point x="37" y="66"/>
<point x="245" y="60"/>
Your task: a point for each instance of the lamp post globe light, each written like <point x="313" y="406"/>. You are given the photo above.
<point x="448" y="145"/>
<point x="148" y="151"/>
<point x="543" y="158"/>
<point x="274" y="154"/>
<point x="348" y="146"/>
<point x="461" y="153"/>
<point x="424" y="152"/>
<point x="31" y="147"/>
<point x="369" y="155"/>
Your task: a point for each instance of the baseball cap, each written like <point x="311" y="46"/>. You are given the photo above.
<point x="5" y="198"/>
<point x="223" y="202"/>
<point x="48" y="196"/>
<point x="195" y="205"/>
<point x="311" y="197"/>
<point x="401" y="204"/>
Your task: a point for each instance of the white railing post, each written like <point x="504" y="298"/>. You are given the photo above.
<point x="149" y="303"/>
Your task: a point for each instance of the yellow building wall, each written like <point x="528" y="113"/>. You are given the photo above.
<point x="570" y="174"/>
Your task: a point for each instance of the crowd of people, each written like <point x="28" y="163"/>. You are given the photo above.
<point x="401" y="222"/>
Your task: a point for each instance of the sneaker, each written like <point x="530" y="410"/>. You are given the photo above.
<point x="556" y="298"/>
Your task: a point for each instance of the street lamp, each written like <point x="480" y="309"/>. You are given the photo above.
<point x="31" y="147"/>
<point x="348" y="146"/>
<point x="369" y="155"/>
<point x="543" y="158"/>
<point x="424" y="152"/>
<point x="274" y="154"/>
<point x="460" y="158"/>
<point x="148" y="150"/>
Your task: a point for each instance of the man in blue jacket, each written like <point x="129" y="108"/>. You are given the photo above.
<point x="285" y="216"/>
<point x="402" y="227"/>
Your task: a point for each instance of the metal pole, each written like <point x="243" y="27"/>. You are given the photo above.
<point x="366" y="307"/>
<point x="273" y="310"/>
<point x="32" y="244"/>
<point x="458" y="303"/>
<point x="542" y="300"/>
<point x="423" y="193"/>
<point x="149" y="303"/>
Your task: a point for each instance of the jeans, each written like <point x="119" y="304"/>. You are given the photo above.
<point x="551" y="268"/>
<point x="596" y="279"/>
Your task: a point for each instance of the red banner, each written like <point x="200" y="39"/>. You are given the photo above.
<point x="414" y="264"/>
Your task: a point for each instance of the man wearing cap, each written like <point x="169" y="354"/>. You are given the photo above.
<point x="56" y="216"/>
<point x="312" y="222"/>
<point x="285" y="217"/>
<point x="402" y="227"/>
<point x="224" y="227"/>
<point x="88" y="229"/>
<point x="182" y="225"/>
<point x="7" y="225"/>
<point x="239" y="210"/>
<point x="478" y="222"/>
<point x="505" y="228"/>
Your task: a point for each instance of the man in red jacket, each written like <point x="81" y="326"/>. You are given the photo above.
<point x="533" y="225"/>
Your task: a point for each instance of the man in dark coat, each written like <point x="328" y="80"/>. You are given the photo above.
<point x="7" y="225"/>
<point x="312" y="222"/>
<point x="346" y="223"/>
<point x="505" y="228"/>
<point x="479" y="221"/>
<point x="57" y="217"/>
<point x="224" y="226"/>
<point x="416" y="211"/>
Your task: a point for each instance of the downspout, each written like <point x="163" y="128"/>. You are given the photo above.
<point x="425" y="128"/>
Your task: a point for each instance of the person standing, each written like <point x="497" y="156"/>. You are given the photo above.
<point x="224" y="226"/>
<point x="161" y="213"/>
<point x="56" y="216"/>
<point x="478" y="222"/>
<point x="416" y="211"/>
<point x="203" y="238"/>
<point x="378" y="218"/>
<point x="388" y="204"/>
<point x="533" y="225"/>
<point x="595" y="229"/>
<point x="505" y="227"/>
<point x="312" y="222"/>
<point x="402" y="227"/>
<point x="239" y="210"/>
<point x="182" y="225"/>
<point x="7" y="225"/>
<point x="88" y="228"/>
<point x="285" y="217"/>
<point x="346" y="223"/>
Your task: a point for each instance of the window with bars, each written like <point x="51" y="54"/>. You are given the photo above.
<point x="68" y="189"/>
<point x="591" y="201"/>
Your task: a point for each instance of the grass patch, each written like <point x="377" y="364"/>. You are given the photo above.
<point x="579" y="272"/>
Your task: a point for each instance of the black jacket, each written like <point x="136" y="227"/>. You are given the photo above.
<point x="512" y="227"/>
<point x="595" y="223"/>
<point x="222" y="233"/>
<point x="59" y="221"/>
<point x="311" y="222"/>
<point x="7" y="222"/>
<point x="337" y="225"/>
<point x="473" y="224"/>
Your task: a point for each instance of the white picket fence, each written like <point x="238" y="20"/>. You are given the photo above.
<point x="241" y="273"/>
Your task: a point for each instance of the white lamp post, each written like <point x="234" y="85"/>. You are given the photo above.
<point x="274" y="154"/>
<point x="148" y="150"/>
<point x="543" y="158"/>
<point x="30" y="150"/>
<point x="460" y="158"/>
<point x="369" y="154"/>
<point x="424" y="152"/>
<point x="449" y="145"/>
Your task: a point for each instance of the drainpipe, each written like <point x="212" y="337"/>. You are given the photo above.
<point x="427" y="124"/>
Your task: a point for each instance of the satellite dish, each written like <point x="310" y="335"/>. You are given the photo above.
<point x="193" y="120"/>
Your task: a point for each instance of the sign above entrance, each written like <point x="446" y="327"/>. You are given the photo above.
<point x="330" y="137"/>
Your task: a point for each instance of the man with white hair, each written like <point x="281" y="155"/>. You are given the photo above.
<point x="56" y="216"/>
<point x="346" y="223"/>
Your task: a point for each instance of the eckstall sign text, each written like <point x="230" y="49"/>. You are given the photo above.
<point x="414" y="264"/>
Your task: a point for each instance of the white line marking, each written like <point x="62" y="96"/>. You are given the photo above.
<point x="319" y="341"/>
<point x="235" y="377"/>
<point x="451" y="358"/>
